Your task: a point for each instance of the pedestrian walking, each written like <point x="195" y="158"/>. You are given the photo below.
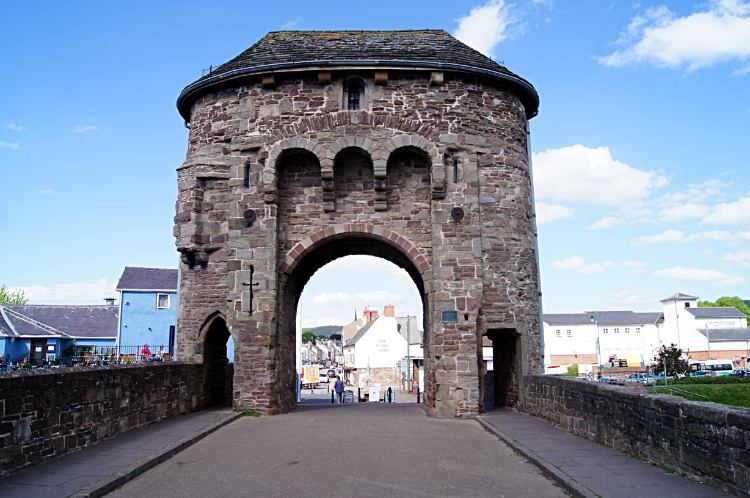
<point x="338" y="386"/>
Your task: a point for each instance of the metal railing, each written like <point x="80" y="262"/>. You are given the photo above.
<point x="680" y="392"/>
<point x="78" y="356"/>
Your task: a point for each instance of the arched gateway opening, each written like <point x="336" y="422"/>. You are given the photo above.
<point x="332" y="248"/>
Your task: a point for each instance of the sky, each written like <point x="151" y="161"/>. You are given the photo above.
<point x="640" y="148"/>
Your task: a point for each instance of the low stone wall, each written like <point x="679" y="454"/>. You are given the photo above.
<point x="44" y="413"/>
<point x="707" y="441"/>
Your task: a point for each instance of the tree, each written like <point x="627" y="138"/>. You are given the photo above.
<point x="8" y="297"/>
<point x="675" y="364"/>
<point x="725" y="301"/>
<point x="308" y="337"/>
<point x="573" y="369"/>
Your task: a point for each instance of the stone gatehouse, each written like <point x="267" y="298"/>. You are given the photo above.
<point x="405" y="145"/>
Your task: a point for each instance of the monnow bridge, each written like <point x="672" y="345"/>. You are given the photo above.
<point x="405" y="145"/>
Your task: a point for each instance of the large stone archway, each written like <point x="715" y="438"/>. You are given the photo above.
<point x="433" y="175"/>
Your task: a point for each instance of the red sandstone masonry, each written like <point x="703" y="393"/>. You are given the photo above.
<point x="44" y="413"/>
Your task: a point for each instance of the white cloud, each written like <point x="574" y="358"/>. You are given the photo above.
<point x="591" y="176"/>
<point x="546" y="213"/>
<point x="684" y="211"/>
<point x="624" y="297"/>
<point x="9" y="145"/>
<point x="702" y="39"/>
<point x="322" y="321"/>
<point x="578" y="264"/>
<point x="84" y="129"/>
<point x="736" y="213"/>
<point x="485" y="26"/>
<point x="16" y="127"/>
<point x="78" y="293"/>
<point x="47" y="191"/>
<point x="372" y="298"/>
<point x="574" y="263"/>
<point x="292" y="23"/>
<point x="741" y="259"/>
<point x="707" y="252"/>
<point x="718" y="278"/>
<point x="607" y="222"/>
<point x="679" y="237"/>
<point x="636" y="267"/>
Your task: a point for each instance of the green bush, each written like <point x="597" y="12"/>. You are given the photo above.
<point x="573" y="369"/>
<point x="722" y="379"/>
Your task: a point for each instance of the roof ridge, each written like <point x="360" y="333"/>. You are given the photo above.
<point x="151" y="268"/>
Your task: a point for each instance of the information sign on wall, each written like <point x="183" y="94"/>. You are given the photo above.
<point x="449" y="316"/>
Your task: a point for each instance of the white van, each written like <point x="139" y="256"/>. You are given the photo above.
<point x="721" y="367"/>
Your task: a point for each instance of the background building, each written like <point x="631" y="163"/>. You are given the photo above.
<point x="148" y="308"/>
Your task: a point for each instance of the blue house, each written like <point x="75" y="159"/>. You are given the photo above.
<point x="148" y="309"/>
<point x="42" y="332"/>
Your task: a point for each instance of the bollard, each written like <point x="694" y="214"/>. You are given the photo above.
<point x="359" y="395"/>
<point x="331" y="397"/>
<point x="417" y="395"/>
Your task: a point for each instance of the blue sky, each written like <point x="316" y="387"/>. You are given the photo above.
<point x="640" y="147"/>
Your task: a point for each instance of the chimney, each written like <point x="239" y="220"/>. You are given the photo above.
<point x="389" y="311"/>
<point x="369" y="314"/>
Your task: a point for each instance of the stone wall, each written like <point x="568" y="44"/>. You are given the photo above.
<point x="44" y="413"/>
<point x="706" y="441"/>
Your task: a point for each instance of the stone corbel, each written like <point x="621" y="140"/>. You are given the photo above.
<point x="381" y="78"/>
<point x="198" y="255"/>
<point x="324" y="77"/>
<point x="436" y="78"/>
<point x="269" y="81"/>
<point x="329" y="194"/>
<point x="380" y="170"/>
<point x="438" y="180"/>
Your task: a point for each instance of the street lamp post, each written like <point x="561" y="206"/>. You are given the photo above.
<point x="595" y="318"/>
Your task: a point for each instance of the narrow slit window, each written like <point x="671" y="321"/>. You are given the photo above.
<point x="354" y="92"/>
<point x="455" y="171"/>
<point x="249" y="182"/>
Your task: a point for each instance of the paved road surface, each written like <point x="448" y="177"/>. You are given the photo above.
<point x="359" y="450"/>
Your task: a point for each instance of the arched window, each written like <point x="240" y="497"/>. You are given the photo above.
<point x="354" y="92"/>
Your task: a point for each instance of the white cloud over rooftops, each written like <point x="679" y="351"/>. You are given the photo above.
<point x="607" y="222"/>
<point x="718" y="278"/>
<point x="578" y="264"/>
<point x="660" y="38"/>
<point x="77" y="293"/>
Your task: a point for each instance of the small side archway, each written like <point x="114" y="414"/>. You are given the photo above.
<point x="217" y="372"/>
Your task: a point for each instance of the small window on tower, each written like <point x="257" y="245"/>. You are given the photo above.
<point x="354" y="93"/>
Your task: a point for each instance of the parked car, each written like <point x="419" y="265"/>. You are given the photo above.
<point x="704" y="373"/>
<point x="637" y="377"/>
<point x="609" y="379"/>
<point x="740" y="372"/>
<point x="324" y="377"/>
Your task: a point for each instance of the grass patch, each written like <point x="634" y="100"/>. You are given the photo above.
<point x="249" y="413"/>
<point x="633" y="455"/>
<point x="733" y="394"/>
<point x="670" y="471"/>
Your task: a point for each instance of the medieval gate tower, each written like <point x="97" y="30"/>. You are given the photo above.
<point x="310" y="146"/>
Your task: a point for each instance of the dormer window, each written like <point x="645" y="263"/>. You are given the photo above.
<point x="353" y="96"/>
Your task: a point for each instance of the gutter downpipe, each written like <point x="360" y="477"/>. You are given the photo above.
<point x="536" y="243"/>
<point x="119" y="327"/>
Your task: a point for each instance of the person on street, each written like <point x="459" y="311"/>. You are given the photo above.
<point x="338" y="386"/>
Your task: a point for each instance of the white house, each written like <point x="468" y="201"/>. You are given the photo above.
<point x="371" y="356"/>
<point x="636" y="336"/>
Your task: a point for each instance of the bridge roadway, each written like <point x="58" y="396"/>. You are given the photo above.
<point x="354" y="450"/>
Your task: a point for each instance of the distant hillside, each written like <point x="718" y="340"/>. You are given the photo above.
<point x="325" y="330"/>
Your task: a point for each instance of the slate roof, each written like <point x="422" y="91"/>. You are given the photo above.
<point x="730" y="334"/>
<point x="605" y="318"/>
<point x="361" y="332"/>
<point x="679" y="295"/>
<point x="426" y="48"/>
<point x="135" y="278"/>
<point x="720" y="312"/>
<point x="98" y="321"/>
<point x="415" y="333"/>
